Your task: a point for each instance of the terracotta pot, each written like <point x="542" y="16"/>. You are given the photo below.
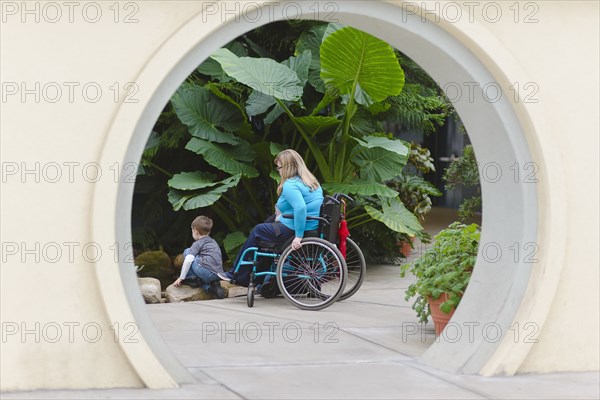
<point x="406" y="247"/>
<point x="440" y="318"/>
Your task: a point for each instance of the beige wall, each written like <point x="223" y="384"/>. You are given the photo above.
<point x="560" y="53"/>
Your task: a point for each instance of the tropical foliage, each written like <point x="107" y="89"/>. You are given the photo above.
<point x="324" y="90"/>
<point x="415" y="191"/>
<point x="465" y="171"/>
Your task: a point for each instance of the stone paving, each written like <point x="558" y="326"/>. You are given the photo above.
<point x="356" y="349"/>
<point x="365" y="347"/>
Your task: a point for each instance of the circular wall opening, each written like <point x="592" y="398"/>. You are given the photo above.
<point x="510" y="213"/>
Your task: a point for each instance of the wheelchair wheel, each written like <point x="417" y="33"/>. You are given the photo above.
<point x="250" y="296"/>
<point x="312" y="277"/>
<point x="357" y="269"/>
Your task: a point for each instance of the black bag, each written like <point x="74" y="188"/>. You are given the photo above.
<point x="331" y="211"/>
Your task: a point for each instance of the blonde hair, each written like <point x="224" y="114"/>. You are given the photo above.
<point x="293" y="165"/>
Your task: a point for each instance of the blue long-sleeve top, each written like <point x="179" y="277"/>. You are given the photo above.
<point x="296" y="198"/>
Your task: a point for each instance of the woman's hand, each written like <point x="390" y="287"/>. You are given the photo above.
<point x="296" y="243"/>
<point x="177" y="283"/>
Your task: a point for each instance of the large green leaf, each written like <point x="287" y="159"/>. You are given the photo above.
<point x="199" y="199"/>
<point x="352" y="59"/>
<point x="332" y="27"/>
<point x="311" y="40"/>
<point x="233" y="242"/>
<point x="395" y="216"/>
<point x="259" y="102"/>
<point x="204" y="113"/>
<point x="329" y="97"/>
<point x="245" y="130"/>
<point x="213" y="69"/>
<point x="274" y="114"/>
<point x="262" y="74"/>
<point x="300" y="64"/>
<point x="397" y="146"/>
<point x="362" y="124"/>
<point x="226" y="158"/>
<point x="416" y="184"/>
<point x="192" y="180"/>
<point x="361" y="187"/>
<point x="276" y="148"/>
<point x="378" y="164"/>
<point x="275" y="176"/>
<point x="379" y="158"/>
<point x="314" y="125"/>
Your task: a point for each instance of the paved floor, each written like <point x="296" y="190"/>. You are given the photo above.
<point x="365" y="347"/>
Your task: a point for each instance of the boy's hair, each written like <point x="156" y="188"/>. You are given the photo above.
<point x="202" y="224"/>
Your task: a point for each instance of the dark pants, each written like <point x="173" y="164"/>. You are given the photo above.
<point x="264" y="232"/>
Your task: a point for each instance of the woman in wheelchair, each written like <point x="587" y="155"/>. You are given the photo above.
<point x="300" y="196"/>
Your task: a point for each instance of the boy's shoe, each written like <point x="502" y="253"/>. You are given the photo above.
<point x="224" y="276"/>
<point x="217" y="289"/>
<point x="193" y="282"/>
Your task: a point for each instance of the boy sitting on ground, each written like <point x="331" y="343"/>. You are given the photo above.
<point x="203" y="260"/>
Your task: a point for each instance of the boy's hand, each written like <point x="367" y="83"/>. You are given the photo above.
<point x="177" y="283"/>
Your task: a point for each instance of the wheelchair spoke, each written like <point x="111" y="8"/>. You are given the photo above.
<point x="313" y="276"/>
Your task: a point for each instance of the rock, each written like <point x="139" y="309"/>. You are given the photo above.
<point x="157" y="264"/>
<point x="186" y="293"/>
<point x="232" y="290"/>
<point x="178" y="262"/>
<point x="150" y="288"/>
<point x="163" y="300"/>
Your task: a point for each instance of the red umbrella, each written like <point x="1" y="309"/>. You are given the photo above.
<point x="343" y="231"/>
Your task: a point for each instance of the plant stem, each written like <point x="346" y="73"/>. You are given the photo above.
<point x="224" y="215"/>
<point x="349" y="220"/>
<point x="259" y="208"/>
<point x="167" y="173"/>
<point x="237" y="207"/>
<point x="359" y="223"/>
<point x="323" y="167"/>
<point x="339" y="166"/>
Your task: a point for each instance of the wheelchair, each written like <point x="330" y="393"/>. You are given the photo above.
<point x="317" y="274"/>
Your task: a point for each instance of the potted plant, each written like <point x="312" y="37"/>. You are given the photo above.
<point x="443" y="272"/>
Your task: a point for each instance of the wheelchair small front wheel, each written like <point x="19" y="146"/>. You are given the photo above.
<point x="312" y="277"/>
<point x="250" y="296"/>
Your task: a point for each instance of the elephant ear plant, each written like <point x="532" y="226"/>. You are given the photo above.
<point x="350" y="73"/>
<point x="445" y="268"/>
<point x="333" y="93"/>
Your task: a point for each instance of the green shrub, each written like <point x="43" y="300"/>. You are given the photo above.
<point x="445" y="268"/>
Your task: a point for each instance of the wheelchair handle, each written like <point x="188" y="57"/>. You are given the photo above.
<point x="334" y="199"/>
<point x="350" y="199"/>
